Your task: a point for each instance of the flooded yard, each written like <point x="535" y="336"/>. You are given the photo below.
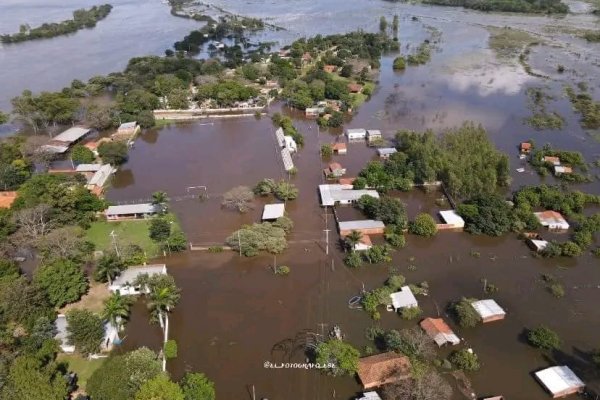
<point x="235" y="313"/>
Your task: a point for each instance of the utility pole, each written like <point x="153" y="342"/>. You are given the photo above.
<point x="326" y="241"/>
<point x="113" y="235"/>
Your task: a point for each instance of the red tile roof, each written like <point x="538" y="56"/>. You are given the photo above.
<point x="433" y="326"/>
<point x="354" y="87"/>
<point x="384" y="368"/>
<point x="334" y="166"/>
<point x="339" y="146"/>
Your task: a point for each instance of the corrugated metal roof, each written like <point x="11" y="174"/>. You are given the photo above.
<point x="102" y="175"/>
<point x="88" y="167"/>
<point x="128" y="276"/>
<point x="404" y="298"/>
<point x="557" y="379"/>
<point x="452" y="218"/>
<point x="72" y="134"/>
<point x="487" y="308"/>
<point x="128" y="125"/>
<point x="361" y="224"/>
<point x="126" y="209"/>
<point x="330" y="194"/>
<point x="280" y="137"/>
<point x="288" y="164"/>
<point x="273" y="211"/>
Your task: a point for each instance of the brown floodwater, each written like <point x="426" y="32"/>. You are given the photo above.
<point x="234" y="313"/>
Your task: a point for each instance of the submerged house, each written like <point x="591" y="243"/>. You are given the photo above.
<point x="562" y="170"/>
<point x="335" y="170"/>
<point x="125" y="283"/>
<point x="131" y="211"/>
<point x="560" y="381"/>
<point x="551" y="160"/>
<point x="403" y="299"/>
<point x="356" y="134"/>
<point x="488" y="310"/>
<point x="553" y="220"/>
<point x="451" y="220"/>
<point x="537" y="244"/>
<point x="339" y="148"/>
<point x="525" y="147"/>
<point x="385" y="152"/>
<point x="439" y="331"/>
<point x="126" y="130"/>
<point x="374" y="135"/>
<point x="382" y="369"/>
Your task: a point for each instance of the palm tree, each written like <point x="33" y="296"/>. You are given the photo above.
<point x="352" y="239"/>
<point x="116" y="309"/>
<point x="163" y="296"/>
<point x="160" y="199"/>
<point x="108" y="268"/>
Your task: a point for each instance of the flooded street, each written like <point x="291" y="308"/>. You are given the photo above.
<point x="235" y="313"/>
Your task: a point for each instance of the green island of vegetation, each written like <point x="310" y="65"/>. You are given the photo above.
<point x="81" y="19"/>
<point x="519" y="6"/>
<point x="585" y="105"/>
<point x="541" y="118"/>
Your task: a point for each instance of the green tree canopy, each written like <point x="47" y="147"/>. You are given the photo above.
<point x="159" y="388"/>
<point x="113" y="153"/>
<point x="465" y="360"/>
<point x="342" y="356"/>
<point x="63" y="281"/>
<point x="82" y="155"/>
<point x="543" y="338"/>
<point x="197" y="386"/>
<point x="423" y="225"/>
<point x="487" y="214"/>
<point x="85" y="331"/>
<point x="29" y="378"/>
<point x="121" y="376"/>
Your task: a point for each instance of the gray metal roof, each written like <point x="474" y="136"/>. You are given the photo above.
<point x="102" y="175"/>
<point x="128" y="209"/>
<point x="404" y="298"/>
<point x="280" y="137"/>
<point x="361" y="224"/>
<point x="128" y="125"/>
<point x="330" y="194"/>
<point x="273" y="211"/>
<point x="129" y="276"/>
<point x="385" y="151"/>
<point x="72" y="134"/>
<point x="88" y="167"/>
<point x="288" y="164"/>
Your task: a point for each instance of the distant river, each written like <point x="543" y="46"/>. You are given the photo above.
<point x="133" y="28"/>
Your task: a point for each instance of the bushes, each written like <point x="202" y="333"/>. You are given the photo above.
<point x="86" y="331"/>
<point x="282" y="189"/>
<point x="423" y="225"/>
<point x="113" y="153"/>
<point x="465" y="360"/>
<point x="465" y="314"/>
<point x="252" y="239"/>
<point x="543" y="338"/>
<point x="342" y="356"/>
<point x="82" y="155"/>
<point x="399" y="63"/>
<point x="486" y="214"/>
<point x="409" y="313"/>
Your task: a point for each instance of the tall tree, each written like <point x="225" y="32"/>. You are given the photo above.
<point x="352" y="239"/>
<point x="160" y="199"/>
<point x="108" y="268"/>
<point x="163" y="296"/>
<point x="116" y="309"/>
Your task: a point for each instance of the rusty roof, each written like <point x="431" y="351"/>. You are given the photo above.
<point x="383" y="368"/>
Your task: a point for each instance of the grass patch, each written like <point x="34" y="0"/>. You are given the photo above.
<point x="128" y="232"/>
<point x="161" y="123"/>
<point x="592" y="36"/>
<point x="83" y="367"/>
<point x="507" y="42"/>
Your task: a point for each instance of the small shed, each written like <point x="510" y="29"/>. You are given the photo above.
<point x="381" y="369"/>
<point x="562" y="169"/>
<point x="124" y="283"/>
<point x="551" y="160"/>
<point x="439" y="331"/>
<point x="273" y="211"/>
<point x="364" y="243"/>
<point x="335" y="170"/>
<point x="526" y="147"/>
<point x="488" y="310"/>
<point x="560" y="381"/>
<point x="356" y="134"/>
<point x="373" y="135"/>
<point x="339" y="148"/>
<point x="312" y="111"/>
<point x="290" y="144"/>
<point x="452" y="219"/>
<point x="537" y="244"/>
<point x="403" y="299"/>
<point x="553" y="220"/>
<point x="385" y="152"/>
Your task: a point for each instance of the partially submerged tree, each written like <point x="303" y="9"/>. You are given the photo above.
<point x="239" y="198"/>
<point x="543" y="338"/>
<point x="159" y="388"/>
<point x="341" y="356"/>
<point x="423" y="225"/>
<point x="197" y="386"/>
<point x="250" y="240"/>
<point x="430" y="386"/>
<point x="464" y="359"/>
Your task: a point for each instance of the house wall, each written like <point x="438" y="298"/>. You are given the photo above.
<point x="369" y="231"/>
<point x="493" y="318"/>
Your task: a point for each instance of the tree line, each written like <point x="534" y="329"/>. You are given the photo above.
<point x="82" y="18"/>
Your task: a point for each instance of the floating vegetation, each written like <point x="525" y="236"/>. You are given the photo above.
<point x="585" y="105"/>
<point x="508" y="42"/>
<point x="541" y="118"/>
